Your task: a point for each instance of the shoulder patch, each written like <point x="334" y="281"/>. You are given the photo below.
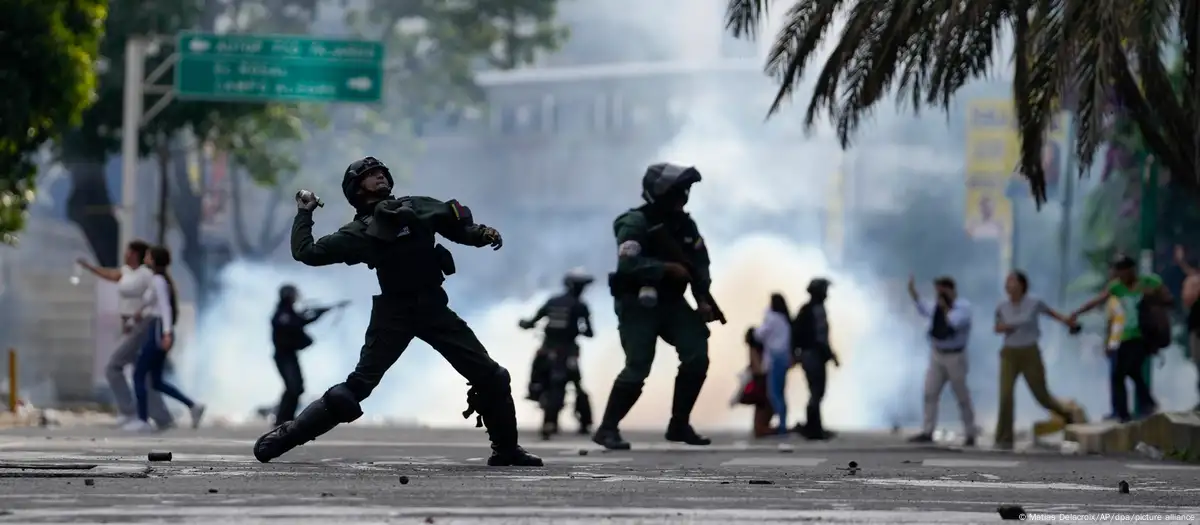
<point x="629" y="249"/>
<point x="461" y="213"/>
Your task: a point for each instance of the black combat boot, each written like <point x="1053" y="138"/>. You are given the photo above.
<point x="620" y="401"/>
<point x="687" y="390"/>
<point x="314" y="421"/>
<point x="583" y="412"/>
<point x="497" y="412"/>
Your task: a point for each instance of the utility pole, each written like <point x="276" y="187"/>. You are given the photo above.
<point x="135" y="116"/>
<point x="1068" y="200"/>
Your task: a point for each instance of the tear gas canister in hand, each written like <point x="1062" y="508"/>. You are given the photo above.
<point x="305" y="195"/>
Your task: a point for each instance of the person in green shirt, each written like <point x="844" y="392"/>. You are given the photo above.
<point x="1130" y="356"/>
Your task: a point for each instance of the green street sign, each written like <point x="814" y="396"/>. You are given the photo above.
<point x="263" y="68"/>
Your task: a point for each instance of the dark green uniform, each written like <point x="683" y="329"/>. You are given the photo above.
<point x="649" y="301"/>
<point x="672" y="318"/>
<point x="396" y="238"/>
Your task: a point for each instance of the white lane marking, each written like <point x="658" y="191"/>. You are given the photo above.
<point x="990" y="476"/>
<point x="155" y="502"/>
<point x="495" y="514"/>
<point x="156" y="443"/>
<point x="1160" y="466"/>
<point x="969" y="463"/>
<point x="583" y="460"/>
<point x="774" y="461"/>
<point x="955" y="484"/>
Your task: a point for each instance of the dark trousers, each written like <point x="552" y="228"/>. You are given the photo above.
<point x="815" y="373"/>
<point x="562" y="363"/>
<point x="394" y="324"/>
<point x="1128" y="363"/>
<point x="149" y="369"/>
<point x="288" y="364"/>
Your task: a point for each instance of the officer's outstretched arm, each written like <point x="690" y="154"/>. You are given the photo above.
<point x="631" y="230"/>
<point x="455" y="222"/>
<point x="541" y="314"/>
<point x="337" y="247"/>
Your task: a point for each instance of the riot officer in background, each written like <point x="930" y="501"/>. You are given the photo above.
<point x="289" y="338"/>
<point x="557" y="362"/>
<point x="659" y="253"/>
<point x="396" y="237"/>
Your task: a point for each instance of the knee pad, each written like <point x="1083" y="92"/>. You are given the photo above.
<point x="342" y="402"/>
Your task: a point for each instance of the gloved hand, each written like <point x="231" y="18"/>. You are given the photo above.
<point x="307" y="200"/>
<point x="491" y="237"/>
<point x="525" y="324"/>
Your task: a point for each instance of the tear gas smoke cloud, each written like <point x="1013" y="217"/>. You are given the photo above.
<point x="744" y="177"/>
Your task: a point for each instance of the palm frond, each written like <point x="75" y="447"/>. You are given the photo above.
<point x="805" y="25"/>
<point x="745" y="17"/>
<point x="1088" y="56"/>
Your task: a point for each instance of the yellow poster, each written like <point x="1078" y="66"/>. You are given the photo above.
<point x="994" y="147"/>
<point x="834" y="213"/>
<point x="992" y="175"/>
<point x="989" y="213"/>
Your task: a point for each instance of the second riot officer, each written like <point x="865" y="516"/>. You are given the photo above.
<point x="396" y="238"/>
<point x="659" y="253"/>
<point x="556" y="363"/>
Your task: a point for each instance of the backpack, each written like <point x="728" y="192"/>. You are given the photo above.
<point x="1155" y="324"/>
<point x="802" y="331"/>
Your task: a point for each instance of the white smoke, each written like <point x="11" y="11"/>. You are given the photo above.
<point x="742" y="175"/>
<point x="749" y="168"/>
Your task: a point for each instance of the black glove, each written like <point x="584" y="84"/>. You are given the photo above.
<point x="525" y="323"/>
<point x="491" y="237"/>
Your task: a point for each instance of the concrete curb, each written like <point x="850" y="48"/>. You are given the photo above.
<point x="1173" y="432"/>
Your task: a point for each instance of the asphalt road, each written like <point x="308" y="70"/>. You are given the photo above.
<point x="373" y="475"/>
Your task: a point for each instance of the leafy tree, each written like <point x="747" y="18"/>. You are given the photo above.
<point x="86" y="148"/>
<point x="49" y="49"/>
<point x="1094" y="56"/>
<point x="433" y="50"/>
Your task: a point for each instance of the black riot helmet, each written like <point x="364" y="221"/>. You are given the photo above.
<point x="577" y="278"/>
<point x="664" y="179"/>
<point x="355" y="172"/>
<point x="819" y="288"/>
<point x="288" y="294"/>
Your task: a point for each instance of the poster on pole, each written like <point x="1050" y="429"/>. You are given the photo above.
<point x="993" y="178"/>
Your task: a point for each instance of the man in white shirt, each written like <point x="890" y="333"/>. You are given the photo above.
<point x="949" y="331"/>
<point x="132" y="279"/>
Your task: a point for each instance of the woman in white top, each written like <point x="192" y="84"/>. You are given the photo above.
<point x="163" y="310"/>
<point x="133" y="280"/>
<point x="775" y="335"/>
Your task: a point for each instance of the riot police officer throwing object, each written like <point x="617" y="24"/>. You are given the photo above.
<point x="289" y="338"/>
<point x="396" y="238"/>
<point x="659" y="252"/>
<point x="557" y="362"/>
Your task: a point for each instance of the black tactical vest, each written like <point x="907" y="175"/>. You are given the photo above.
<point x="563" y="313"/>
<point x="409" y="263"/>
